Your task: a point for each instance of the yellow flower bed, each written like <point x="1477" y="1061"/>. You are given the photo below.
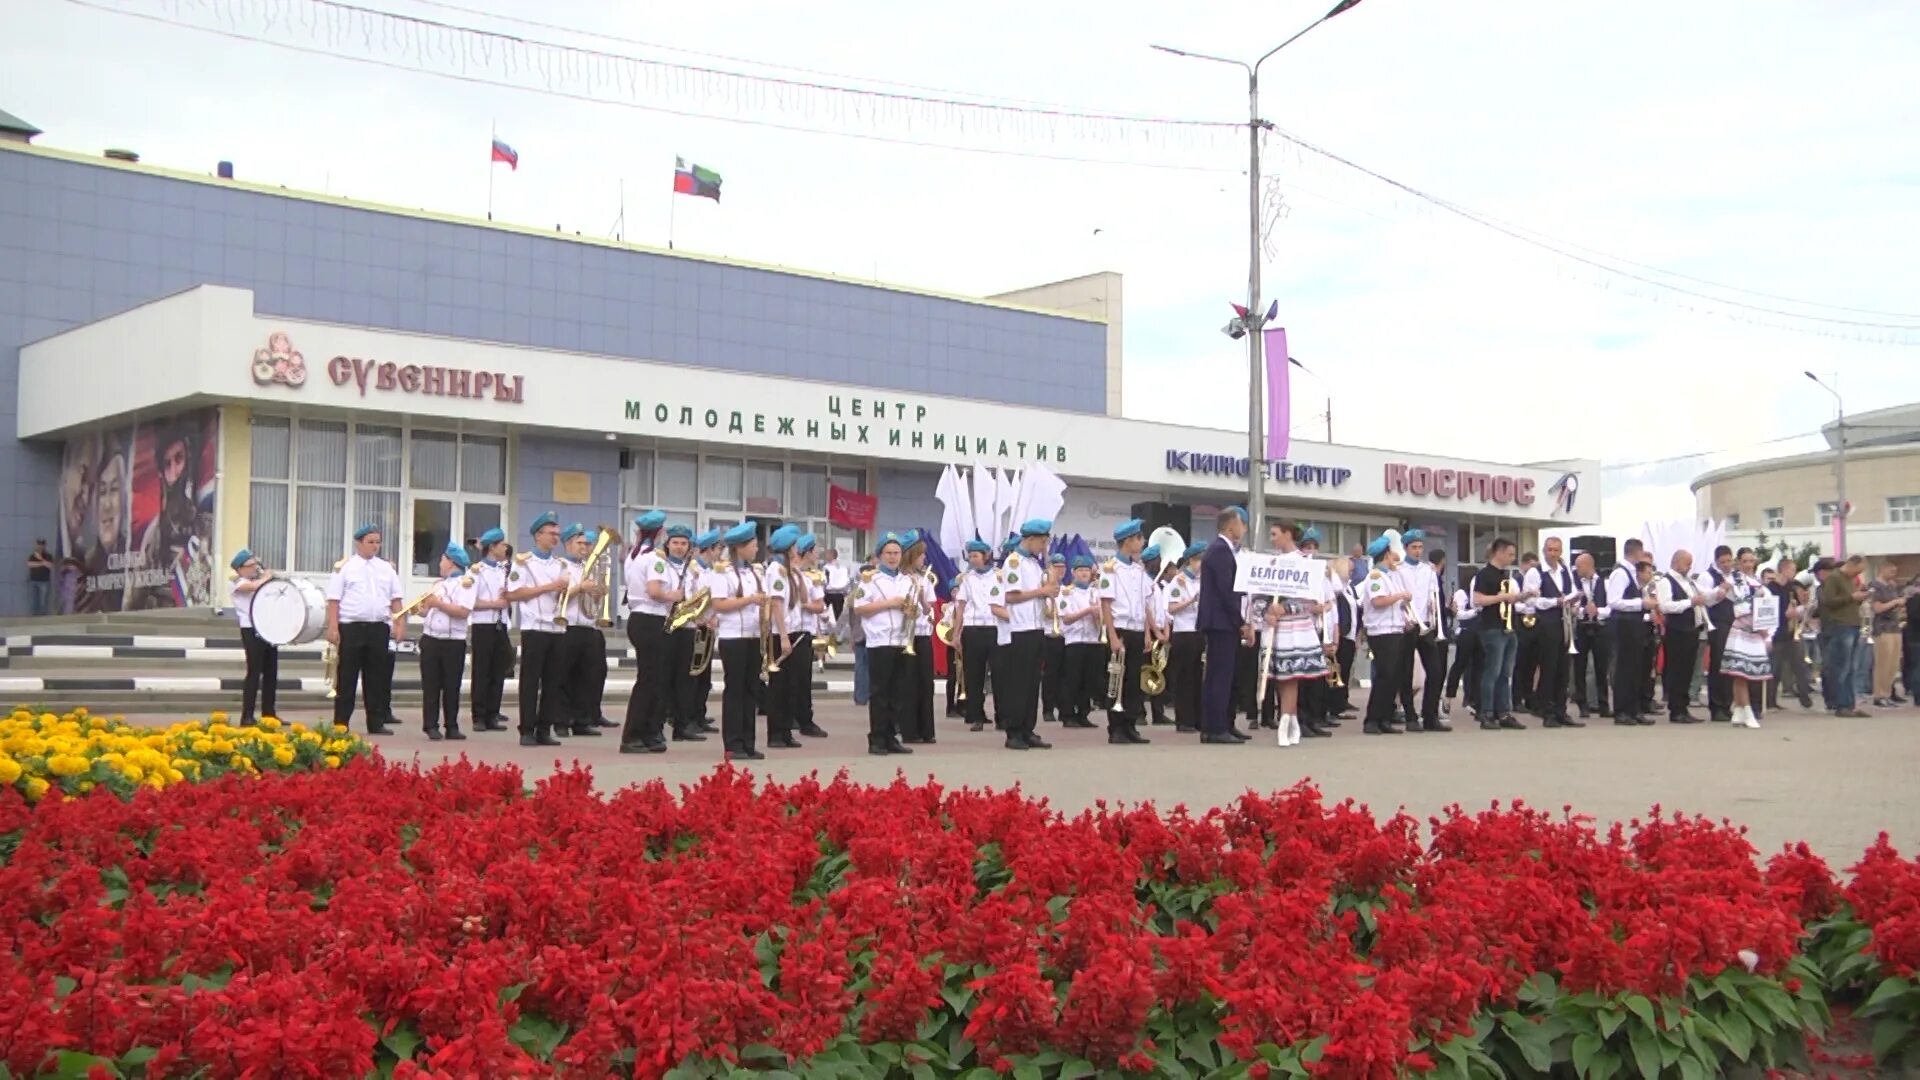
<point x="79" y="752"/>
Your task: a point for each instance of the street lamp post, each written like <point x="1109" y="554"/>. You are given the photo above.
<point x="1254" y="321"/>
<point x="1839" y="468"/>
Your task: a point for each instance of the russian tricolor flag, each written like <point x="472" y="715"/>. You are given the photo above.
<point x="503" y="152"/>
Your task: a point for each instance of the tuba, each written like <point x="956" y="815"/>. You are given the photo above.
<point x="910" y="612"/>
<point x="1153" y="676"/>
<point x="689" y="609"/>
<point x="589" y="570"/>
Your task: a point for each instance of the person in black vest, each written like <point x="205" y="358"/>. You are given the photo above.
<point x="1630" y="626"/>
<point x="1720" y="620"/>
<point x="1525" y="621"/>
<point x="1464" y="673"/>
<point x="1680" y="600"/>
<point x="1590" y="637"/>
<point x="1557" y="594"/>
<point x="1791" y="676"/>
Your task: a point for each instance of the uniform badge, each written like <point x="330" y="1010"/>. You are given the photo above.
<point x="995" y="591"/>
<point x="1176" y="594"/>
<point x="859" y="591"/>
<point x="778" y="585"/>
<point x="659" y="567"/>
<point x="1013" y="561"/>
<point x="1105" y="584"/>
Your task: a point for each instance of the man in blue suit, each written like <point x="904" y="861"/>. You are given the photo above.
<point x="1222" y="624"/>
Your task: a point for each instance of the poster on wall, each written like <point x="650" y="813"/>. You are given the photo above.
<point x="136" y="515"/>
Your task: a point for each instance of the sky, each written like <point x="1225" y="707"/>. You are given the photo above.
<point x="1761" y="144"/>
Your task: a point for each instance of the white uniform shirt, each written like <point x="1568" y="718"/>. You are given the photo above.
<point x="489" y="583"/>
<point x="1076" y="597"/>
<point x="924" y="599"/>
<point x="836" y="577"/>
<point x="1677" y="593"/>
<point x="1390" y="619"/>
<point x="366" y="589"/>
<point x="1617" y="583"/>
<point x="1463" y="610"/>
<point x="655" y="566"/>
<point x="1131" y="590"/>
<point x="1586" y="587"/>
<point x="243" y="609"/>
<point x="980" y="590"/>
<point x="1419" y="579"/>
<point x="537" y="614"/>
<point x="735" y="580"/>
<point x="458" y="591"/>
<point x="889" y="628"/>
<point x="1181" y="589"/>
<point x="800" y="593"/>
<point x="1562" y="581"/>
<point x="1022" y="572"/>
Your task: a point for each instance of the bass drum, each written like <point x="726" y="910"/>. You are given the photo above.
<point x="288" y="611"/>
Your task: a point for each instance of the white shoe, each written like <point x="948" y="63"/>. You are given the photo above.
<point x="1750" y="719"/>
<point x="1293" y="731"/>
<point x="1280" y="733"/>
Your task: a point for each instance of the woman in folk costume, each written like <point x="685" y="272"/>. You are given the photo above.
<point x="1295" y="646"/>
<point x="1749" y="659"/>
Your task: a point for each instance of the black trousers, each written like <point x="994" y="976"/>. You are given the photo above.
<point x="263" y="674"/>
<point x="1392" y="663"/>
<point x="888" y="679"/>
<point x="977" y="644"/>
<point x="1632" y="645"/>
<point x="685" y="691"/>
<point x="1003" y="683"/>
<point x="1246" y="681"/>
<point x="1432" y="654"/>
<point x="1683" y="654"/>
<point x="647" y="705"/>
<point x="442" y="662"/>
<point x="1126" y="714"/>
<point x="1596" y="652"/>
<point x="1053" y="673"/>
<point x="1466" y="665"/>
<point x="915" y="716"/>
<point x="1525" y="660"/>
<point x="790" y="691"/>
<point x="540" y="672"/>
<point x="1343" y="654"/>
<point x="584" y="652"/>
<point x="1085" y="679"/>
<point x="1184" y="655"/>
<point x="492" y="656"/>
<point x="1790" y="674"/>
<point x="1551" y="666"/>
<point x="837" y="601"/>
<point x="1022" y="670"/>
<point x="366" y="669"/>
<point x="738" y="708"/>
<point x="1719" y="687"/>
<point x="953" y="680"/>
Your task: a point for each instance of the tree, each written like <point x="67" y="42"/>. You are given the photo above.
<point x="1766" y="549"/>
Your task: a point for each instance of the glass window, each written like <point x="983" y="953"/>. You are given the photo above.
<point x="267" y="523"/>
<point x="483" y="465"/>
<point x="376" y="456"/>
<point x="432" y="530"/>
<point x="765" y="485"/>
<point x="272" y="452"/>
<point x="722" y="483"/>
<point x="320" y="453"/>
<point x="1903" y="509"/>
<point x="809" y="491"/>
<point x="1825" y="512"/>
<point x="677" y="480"/>
<point x="1733" y="521"/>
<point x="380" y="508"/>
<point x="1776" y="517"/>
<point x="851" y="481"/>
<point x="320" y="525"/>
<point x="636" y="479"/>
<point x="436" y="460"/>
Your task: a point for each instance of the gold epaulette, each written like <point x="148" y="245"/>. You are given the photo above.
<point x="1110" y="566"/>
<point x="341" y="563"/>
<point x="522" y="556"/>
<point x="866" y="574"/>
<point x="722" y="565"/>
<point x="1013" y="561"/>
<point x="1373" y="575"/>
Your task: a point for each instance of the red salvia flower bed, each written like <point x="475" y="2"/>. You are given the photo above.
<point x="453" y="923"/>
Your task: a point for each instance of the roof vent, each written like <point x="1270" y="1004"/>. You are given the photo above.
<point x="123" y="155"/>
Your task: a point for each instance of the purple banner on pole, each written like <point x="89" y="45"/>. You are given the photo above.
<point x="1279" y="405"/>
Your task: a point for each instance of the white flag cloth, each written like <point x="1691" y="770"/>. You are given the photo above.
<point x="1003" y="493"/>
<point x="983" y="521"/>
<point x="1043" y="493"/>
<point x="956" y="515"/>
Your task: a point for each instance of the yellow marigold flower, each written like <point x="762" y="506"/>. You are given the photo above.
<point x="85" y="786"/>
<point x="36" y="787"/>
<point x="47" y="719"/>
<point x="67" y="765"/>
<point x="217" y="717"/>
<point x="283" y="757"/>
<point x="133" y="772"/>
<point x="333" y="761"/>
<point x="269" y="723"/>
<point x="9" y="771"/>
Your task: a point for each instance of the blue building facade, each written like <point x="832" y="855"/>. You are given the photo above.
<point x="82" y="239"/>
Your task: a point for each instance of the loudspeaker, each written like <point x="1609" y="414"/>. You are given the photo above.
<point x="1155" y="515"/>
<point x="1604" y="550"/>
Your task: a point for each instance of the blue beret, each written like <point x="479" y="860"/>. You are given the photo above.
<point x="571" y="531"/>
<point x="1056" y="559"/>
<point x="1008" y="547"/>
<point x="741" y="534"/>
<point x="679" y="531"/>
<point x="1410" y="536"/>
<point x="1083" y="562"/>
<point x="650" y="520"/>
<point x="1377" y="548"/>
<point x="980" y="546"/>
<point x="910" y="538"/>
<point x="458" y="553"/>
<point x="1128" y="528"/>
<point x="1036" y="527"/>
<point x="1194" y="551"/>
<point x="365" y="531"/>
<point x="492" y="537"/>
<point x="707" y="539"/>
<point x="783" y="538"/>
<point x="241" y="558"/>
<point x="1150" y="553"/>
<point x="541" y="522"/>
<point x="1311" y="536"/>
<point x="805" y="543"/>
<point x="1238" y="511"/>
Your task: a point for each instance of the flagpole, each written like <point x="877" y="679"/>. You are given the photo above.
<point x="673" y="203"/>
<point x="494" y="137"/>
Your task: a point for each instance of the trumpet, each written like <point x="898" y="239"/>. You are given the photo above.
<point x="331" y="660"/>
<point x="1116" y="674"/>
<point x="1567" y="624"/>
<point x="769" y="659"/>
<point x="1153" y="676"/>
<point x="600" y="543"/>
<point x="910" y="612"/>
<point x="1506" y="609"/>
<point x="949" y="635"/>
<point x="414" y="605"/>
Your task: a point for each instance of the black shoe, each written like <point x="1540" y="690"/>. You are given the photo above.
<point x="586" y="731"/>
<point x="643" y="748"/>
<point x="983" y="727"/>
<point x="1438" y="726"/>
<point x="379" y="729"/>
<point x="1050" y="717"/>
<point x="1395" y="728"/>
<point x="1606" y="713"/>
<point x="456" y="735"/>
<point x="955" y="713"/>
<point x="707" y="727"/>
<point x="1568" y="721"/>
<point x="603" y="722"/>
<point x="433" y="734"/>
<point x="1185" y="729"/>
<point x="1270" y="723"/>
<point x="748" y="754"/>
<point x="894" y="747"/>
<point x="1035" y="742"/>
<point x="814" y="731"/>
<point x="1080" y="722"/>
<point x="1720" y="717"/>
<point x="688" y="736"/>
<point x="1623" y="720"/>
<point x="539" y="740"/>
<point x="1317" y="731"/>
<point x="248" y="721"/>
<point x="877" y="749"/>
<point x="1017" y="742"/>
<point x="784" y="742"/>
<point x="1683" y="718"/>
<point x="1118" y="737"/>
<point x="1331" y="721"/>
<point x="1489" y="724"/>
<point x="1238" y="736"/>
<point x="1220" y="738"/>
<point x="1510" y="722"/>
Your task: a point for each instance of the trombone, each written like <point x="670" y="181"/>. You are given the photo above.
<point x="949" y="636"/>
<point x="769" y="659"/>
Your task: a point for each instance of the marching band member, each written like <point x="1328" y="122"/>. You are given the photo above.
<point x="709" y="547"/>
<point x="1420" y="581"/>
<point x="1006" y="683"/>
<point x="1466" y="661"/>
<point x="740" y="600"/>
<point x="363" y="596"/>
<point x="583" y="649"/>
<point x="1499" y="601"/>
<point x="880" y="602"/>
<point x="487" y="626"/>
<point x="1524" y="660"/>
<point x="1384" y="599"/>
<point x="1295" y="652"/>
<point x="1554" y="583"/>
<point x="443" y="643"/>
<point x="1027" y="590"/>
<point x="538" y="578"/>
<point x="976" y="595"/>
<point x="1749" y="660"/>
<point x="1053" y="648"/>
<point x="1185" y="646"/>
<point x="263" y="658"/>
<point x="1126" y="594"/>
<point x="1154" y="561"/>
<point x="1678" y="596"/>
<point x="914" y="717"/>
<point x="656" y="582"/>
<point x="1630" y="619"/>
<point x="1590" y="635"/>
<point x="778" y="576"/>
<point x="1719" y="624"/>
<point x="1084" y="678"/>
<point x="1346" y="622"/>
<point x="807" y="622"/>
